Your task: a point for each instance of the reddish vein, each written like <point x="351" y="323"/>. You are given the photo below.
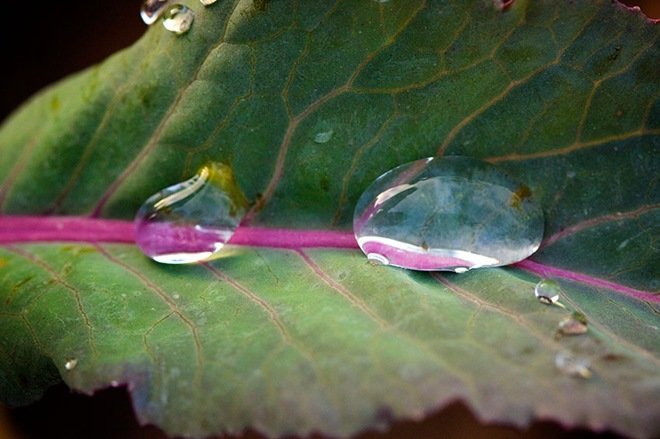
<point x="16" y="229"/>
<point x="549" y="271"/>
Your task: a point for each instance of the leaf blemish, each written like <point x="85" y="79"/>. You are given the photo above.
<point x="55" y="104"/>
<point x="615" y="54"/>
<point x="324" y="183"/>
<point x="613" y="357"/>
<point x="260" y="5"/>
<point x="520" y="194"/>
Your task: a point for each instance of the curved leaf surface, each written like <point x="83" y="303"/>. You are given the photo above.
<point x="292" y="340"/>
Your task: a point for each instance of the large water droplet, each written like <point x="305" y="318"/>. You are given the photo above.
<point x="191" y="221"/>
<point x="451" y="213"/>
<point x="573" y="365"/>
<point x="152" y="10"/>
<point x="178" y="19"/>
<point x="547" y="291"/>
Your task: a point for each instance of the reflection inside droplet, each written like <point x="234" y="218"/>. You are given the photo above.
<point x="191" y="221"/>
<point x="152" y="10"/>
<point x="71" y="364"/>
<point x="450" y="213"/>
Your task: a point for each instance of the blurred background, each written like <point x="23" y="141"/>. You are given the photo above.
<point x="50" y="40"/>
<point x="55" y="39"/>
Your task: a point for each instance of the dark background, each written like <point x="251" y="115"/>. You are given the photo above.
<point x="50" y="40"/>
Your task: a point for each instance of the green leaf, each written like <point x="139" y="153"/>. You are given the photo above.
<point x="288" y="341"/>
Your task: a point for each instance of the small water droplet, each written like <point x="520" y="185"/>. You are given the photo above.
<point x="71" y="364"/>
<point x="207" y="2"/>
<point x="576" y="324"/>
<point x="623" y="244"/>
<point x="573" y="365"/>
<point x="152" y="10"/>
<point x="178" y="19"/>
<point x="191" y="221"/>
<point x="547" y="291"/>
<point x="176" y="296"/>
<point x="450" y="213"/>
<point x="323" y="136"/>
<point x="114" y="383"/>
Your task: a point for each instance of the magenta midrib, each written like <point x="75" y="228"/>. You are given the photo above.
<point x="23" y="229"/>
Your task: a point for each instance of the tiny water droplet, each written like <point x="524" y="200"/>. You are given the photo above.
<point x="152" y="10"/>
<point x="573" y="365"/>
<point x="623" y="244"/>
<point x="114" y="383"/>
<point x="178" y="19"/>
<point x="450" y="213"/>
<point x="191" y="221"/>
<point x="207" y="2"/>
<point x="323" y="136"/>
<point x="176" y="296"/>
<point x="547" y="291"/>
<point x="71" y="364"/>
<point x="576" y="324"/>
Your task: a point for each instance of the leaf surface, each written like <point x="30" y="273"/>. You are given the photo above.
<point x="309" y="102"/>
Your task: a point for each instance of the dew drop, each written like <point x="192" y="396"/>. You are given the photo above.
<point x="207" y="2"/>
<point x="573" y="365"/>
<point x="324" y="136"/>
<point x="178" y="19"/>
<point x="152" y="10"/>
<point x="71" y="364"/>
<point x="191" y="221"/>
<point x="450" y="213"/>
<point x="576" y="324"/>
<point x="547" y="291"/>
